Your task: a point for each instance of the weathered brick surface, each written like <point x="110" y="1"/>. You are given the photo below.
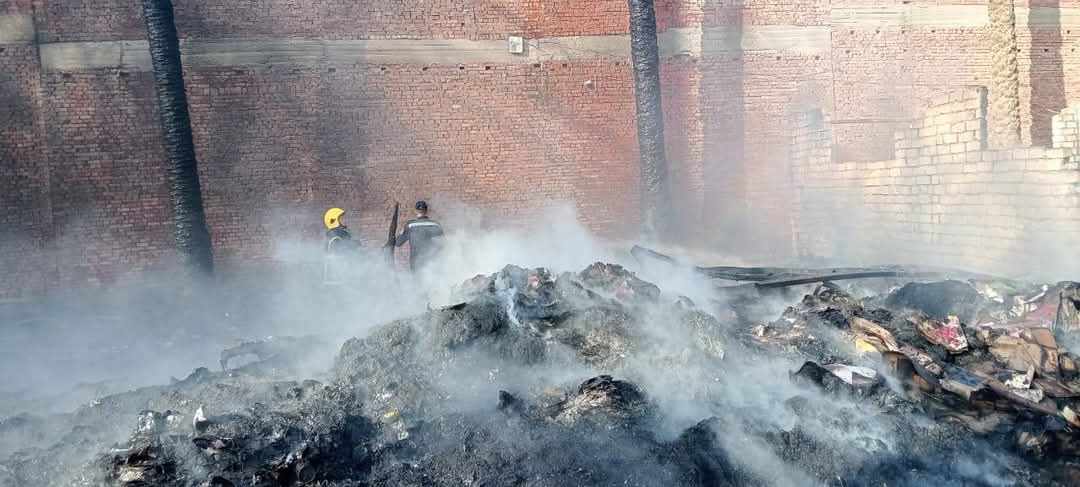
<point x="25" y="218"/>
<point x="278" y="144"/>
<point x="680" y="13"/>
<point x="785" y="12"/>
<point x="1066" y="128"/>
<point x="75" y="20"/>
<point x="878" y="69"/>
<point x="16" y="7"/>
<point x="720" y="89"/>
<point x="684" y="130"/>
<point x="943" y="200"/>
<point x="70" y="20"/>
<point x="278" y="147"/>
<point x="872" y="79"/>
<point x="107" y="175"/>
<point x="773" y="84"/>
<point x="1042" y="75"/>
<point x="1065" y="46"/>
<point x="881" y="76"/>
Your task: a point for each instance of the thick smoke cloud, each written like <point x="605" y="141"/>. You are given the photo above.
<point x="147" y="330"/>
<point x="141" y="335"/>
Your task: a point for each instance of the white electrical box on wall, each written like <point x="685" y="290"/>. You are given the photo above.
<point x="516" y="44"/>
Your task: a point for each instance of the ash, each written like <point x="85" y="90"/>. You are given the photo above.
<point x="600" y="378"/>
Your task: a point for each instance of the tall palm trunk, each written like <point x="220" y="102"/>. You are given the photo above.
<point x="655" y="197"/>
<point x="1005" y="75"/>
<point x="192" y="235"/>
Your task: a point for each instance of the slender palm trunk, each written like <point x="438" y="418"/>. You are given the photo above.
<point x="1005" y="75"/>
<point x="192" y="235"/>
<point x="655" y="196"/>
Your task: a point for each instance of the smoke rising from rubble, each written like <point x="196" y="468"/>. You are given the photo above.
<point x="94" y="337"/>
<point x="749" y="392"/>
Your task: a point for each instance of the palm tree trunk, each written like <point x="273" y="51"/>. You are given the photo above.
<point x="192" y="235"/>
<point x="655" y="198"/>
<point x="1005" y="75"/>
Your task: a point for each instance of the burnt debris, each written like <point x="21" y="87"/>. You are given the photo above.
<point x="600" y="378"/>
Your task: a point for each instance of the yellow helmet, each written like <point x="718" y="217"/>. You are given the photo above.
<point x="332" y="218"/>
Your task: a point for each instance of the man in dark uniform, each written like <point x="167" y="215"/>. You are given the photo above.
<point x="424" y="236"/>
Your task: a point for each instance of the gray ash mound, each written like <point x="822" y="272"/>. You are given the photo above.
<point x="593" y="378"/>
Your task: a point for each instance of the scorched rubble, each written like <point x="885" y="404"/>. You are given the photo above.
<point x="576" y="379"/>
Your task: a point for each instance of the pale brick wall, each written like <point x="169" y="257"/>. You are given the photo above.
<point x="812" y="158"/>
<point x="944" y="199"/>
<point x="1066" y="128"/>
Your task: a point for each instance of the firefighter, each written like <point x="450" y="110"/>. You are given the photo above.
<point x="424" y="236"/>
<point x="339" y="243"/>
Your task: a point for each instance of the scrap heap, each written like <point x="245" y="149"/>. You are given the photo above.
<point x="987" y="351"/>
<point x="599" y="378"/>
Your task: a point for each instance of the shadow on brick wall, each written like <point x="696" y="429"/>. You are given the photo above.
<point x="721" y="97"/>
<point x="1047" y="71"/>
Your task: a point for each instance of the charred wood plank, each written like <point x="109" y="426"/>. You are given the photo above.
<point x="777" y="277"/>
<point x="391" y="236"/>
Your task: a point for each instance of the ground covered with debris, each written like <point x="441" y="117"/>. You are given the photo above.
<point x="601" y="378"/>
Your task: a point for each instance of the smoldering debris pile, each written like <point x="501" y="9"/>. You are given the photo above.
<point x="599" y="378"/>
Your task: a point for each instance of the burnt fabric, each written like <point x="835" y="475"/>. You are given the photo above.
<point x="192" y="235"/>
<point x="650" y="116"/>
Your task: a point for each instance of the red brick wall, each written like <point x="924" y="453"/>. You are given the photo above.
<point x="773" y="80"/>
<point x="684" y="130"/>
<point x="881" y="75"/>
<point x="506" y="138"/>
<point x="772" y="84"/>
<point x="680" y="13"/>
<point x="878" y="70"/>
<point x="1044" y="89"/>
<point x="74" y="20"/>
<point x="106" y="171"/>
<point x="71" y="20"/>
<point x="722" y="115"/>
<point x="25" y="224"/>
<point x="869" y="78"/>
<point x="277" y="147"/>
<point x="1070" y="55"/>
<point x="24" y="183"/>
<point x="278" y="144"/>
<point x="724" y="171"/>
<point x="16" y="6"/>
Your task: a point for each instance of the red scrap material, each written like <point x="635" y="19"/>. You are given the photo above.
<point x="949" y="334"/>
<point x="1044" y="314"/>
